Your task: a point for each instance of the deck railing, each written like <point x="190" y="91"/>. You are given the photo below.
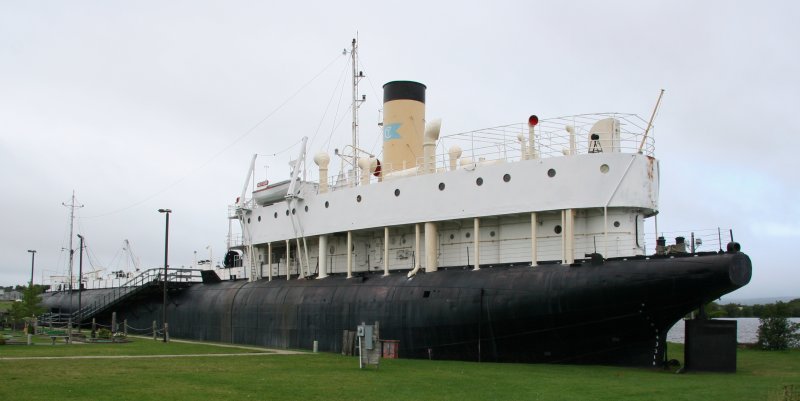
<point x="145" y="279"/>
<point x="501" y="144"/>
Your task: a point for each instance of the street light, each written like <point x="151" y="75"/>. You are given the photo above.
<point x="33" y="257"/>
<point x="166" y="255"/>
<point x="80" y="283"/>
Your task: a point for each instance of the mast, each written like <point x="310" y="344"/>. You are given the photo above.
<point x="357" y="75"/>
<point x="72" y="207"/>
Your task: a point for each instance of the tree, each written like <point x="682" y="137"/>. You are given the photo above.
<point x="775" y="330"/>
<point x="30" y="306"/>
<point x="731" y="310"/>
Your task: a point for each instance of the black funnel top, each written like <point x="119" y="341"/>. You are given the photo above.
<point x="404" y="90"/>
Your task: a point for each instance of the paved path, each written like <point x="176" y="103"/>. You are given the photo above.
<point x="273" y="350"/>
<point x="33" y="358"/>
<point x="263" y="352"/>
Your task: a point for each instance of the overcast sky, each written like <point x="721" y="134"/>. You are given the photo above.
<point x="141" y="105"/>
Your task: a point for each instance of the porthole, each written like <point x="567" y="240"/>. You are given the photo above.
<point x="557" y="229"/>
<point x="326" y="204"/>
<point x="293" y="211"/>
<point x="397" y="192"/>
<point x="479" y="181"/>
<point x="358" y="198"/>
<point x="604" y="168"/>
<point x="616" y="224"/>
<point x="441" y="186"/>
<point x="259" y="218"/>
<point x="287" y="212"/>
<point x="507" y="177"/>
<point x="452" y="236"/>
<point x="276" y="215"/>
<point x="306" y="208"/>
<point x="551" y="173"/>
<point x="491" y="233"/>
<point x="468" y="235"/>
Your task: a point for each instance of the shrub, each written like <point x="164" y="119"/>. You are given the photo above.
<point x="104" y="333"/>
<point x="778" y="333"/>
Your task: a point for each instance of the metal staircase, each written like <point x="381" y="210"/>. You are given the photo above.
<point x="147" y="280"/>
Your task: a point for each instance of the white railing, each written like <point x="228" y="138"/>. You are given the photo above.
<point x="502" y="144"/>
<point x="705" y="240"/>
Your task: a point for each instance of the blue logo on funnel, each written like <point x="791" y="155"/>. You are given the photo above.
<point x="390" y="131"/>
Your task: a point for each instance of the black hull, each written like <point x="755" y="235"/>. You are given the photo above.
<point x="613" y="313"/>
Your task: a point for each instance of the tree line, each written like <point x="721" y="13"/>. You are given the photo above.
<point x="777" y="309"/>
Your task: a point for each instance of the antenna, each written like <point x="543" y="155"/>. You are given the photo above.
<point x="357" y="76"/>
<point x="72" y="206"/>
<point x="650" y="123"/>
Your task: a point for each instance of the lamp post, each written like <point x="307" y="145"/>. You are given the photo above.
<point x="33" y="258"/>
<point x="166" y="259"/>
<point x="80" y="283"/>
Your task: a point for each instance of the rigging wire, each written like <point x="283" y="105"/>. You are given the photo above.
<point x="335" y="116"/>
<point x="339" y="82"/>
<point x="336" y="124"/>
<point x="282" y="151"/>
<point x="374" y="93"/>
<point x="224" y="149"/>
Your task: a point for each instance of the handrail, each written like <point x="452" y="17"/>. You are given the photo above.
<point x="551" y="139"/>
<point x="132" y="286"/>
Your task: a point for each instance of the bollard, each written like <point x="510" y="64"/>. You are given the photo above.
<point x="30" y="339"/>
<point x="94" y="327"/>
<point x="69" y="331"/>
<point x="155" y="331"/>
<point x="113" y="322"/>
<point x="166" y="332"/>
<point x="316" y="346"/>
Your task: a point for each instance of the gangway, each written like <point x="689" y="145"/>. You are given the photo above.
<point x="147" y="280"/>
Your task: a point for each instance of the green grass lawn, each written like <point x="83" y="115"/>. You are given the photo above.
<point x="761" y="376"/>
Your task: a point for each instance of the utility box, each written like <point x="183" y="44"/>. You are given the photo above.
<point x="390" y="348"/>
<point x="368" y="352"/>
<point x="710" y="345"/>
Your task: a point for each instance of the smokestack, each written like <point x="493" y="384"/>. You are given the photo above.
<point x="403" y="124"/>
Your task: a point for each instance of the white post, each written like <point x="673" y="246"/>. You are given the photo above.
<point x="563" y="244"/>
<point x="416" y="246"/>
<point x="532" y="142"/>
<point x="431" y="247"/>
<point x="269" y="260"/>
<point x="534" y="224"/>
<point x="287" y="259"/>
<point x="572" y="146"/>
<point x="569" y="233"/>
<point x="386" y="251"/>
<point x="349" y="254"/>
<point x="605" y="231"/>
<point x="476" y="242"/>
<point x="323" y="259"/>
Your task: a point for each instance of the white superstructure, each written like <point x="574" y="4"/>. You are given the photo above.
<point x="554" y="190"/>
<point x="579" y="203"/>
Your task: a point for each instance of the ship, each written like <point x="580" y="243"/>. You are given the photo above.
<point x="516" y="243"/>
